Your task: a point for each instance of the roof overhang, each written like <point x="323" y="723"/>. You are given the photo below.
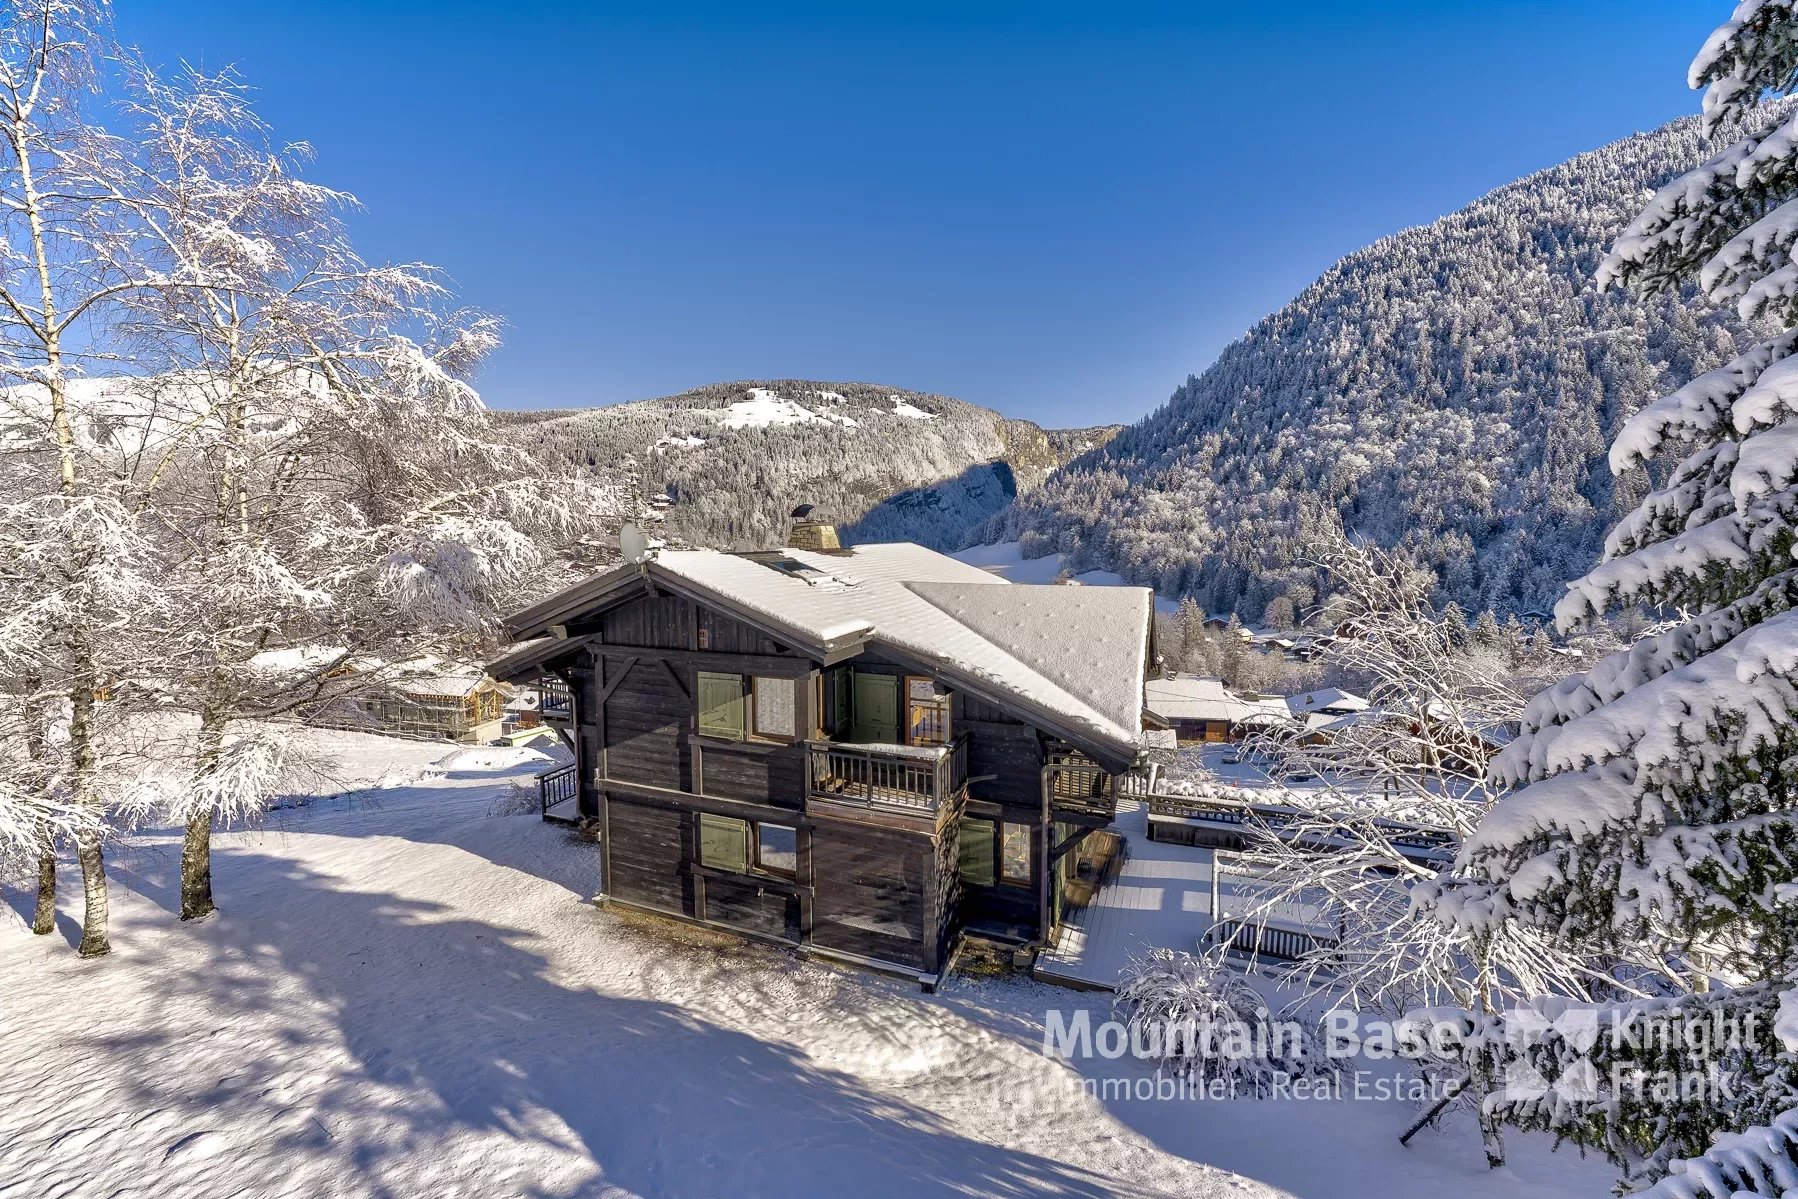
<point x="526" y="660"/>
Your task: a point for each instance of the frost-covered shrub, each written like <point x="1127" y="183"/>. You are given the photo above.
<point x="1205" y="1023"/>
<point x="520" y="799"/>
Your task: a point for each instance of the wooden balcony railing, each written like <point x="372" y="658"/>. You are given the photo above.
<point x="1081" y="788"/>
<point x="555" y="787"/>
<point x="903" y="777"/>
<point x="555" y="701"/>
<point x="1417" y="842"/>
<point x="1264" y="939"/>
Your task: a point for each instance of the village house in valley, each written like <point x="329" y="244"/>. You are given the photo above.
<point x="866" y="752"/>
<point x="1201" y="709"/>
<point x="434" y="698"/>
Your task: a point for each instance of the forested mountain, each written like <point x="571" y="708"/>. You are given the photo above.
<point x="1451" y="389"/>
<point x="736" y="458"/>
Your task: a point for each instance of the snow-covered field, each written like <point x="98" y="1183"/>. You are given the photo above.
<point x="407" y="992"/>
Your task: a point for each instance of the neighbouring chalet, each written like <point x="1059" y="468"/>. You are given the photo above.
<point x="865" y="752"/>
<point x="1201" y="709"/>
<point x="433" y="698"/>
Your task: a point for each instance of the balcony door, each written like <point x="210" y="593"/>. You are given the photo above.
<point x="876" y="709"/>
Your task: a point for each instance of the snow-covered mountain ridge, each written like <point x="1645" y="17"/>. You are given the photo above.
<point x="886" y="463"/>
<point x="1451" y="388"/>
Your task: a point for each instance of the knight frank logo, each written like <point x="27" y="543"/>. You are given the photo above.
<point x="1565" y="1041"/>
<point x="1551" y="1054"/>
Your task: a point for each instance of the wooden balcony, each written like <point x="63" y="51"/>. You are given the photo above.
<point x="913" y="779"/>
<point x="555" y="701"/>
<point x="1080" y="790"/>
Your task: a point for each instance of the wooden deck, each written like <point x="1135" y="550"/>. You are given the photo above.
<point x="566" y="811"/>
<point x="558" y="795"/>
<point x="1161" y="898"/>
<point x="1172" y="896"/>
<point x="896" y="777"/>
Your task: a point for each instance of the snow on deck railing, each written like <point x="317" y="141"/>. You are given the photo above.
<point x="1218" y="804"/>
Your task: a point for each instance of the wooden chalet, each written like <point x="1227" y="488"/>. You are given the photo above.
<point x="867" y="753"/>
<point x="1202" y="710"/>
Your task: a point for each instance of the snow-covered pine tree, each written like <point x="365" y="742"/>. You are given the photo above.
<point x="1656" y="807"/>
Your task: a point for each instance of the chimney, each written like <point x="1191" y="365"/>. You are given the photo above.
<point x="812" y="533"/>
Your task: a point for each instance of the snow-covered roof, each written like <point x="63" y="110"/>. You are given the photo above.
<point x="1075" y="654"/>
<point x="1192" y="697"/>
<point x="1332" y="699"/>
<point x="433" y="676"/>
<point x="1075" y="651"/>
<point x="296" y="659"/>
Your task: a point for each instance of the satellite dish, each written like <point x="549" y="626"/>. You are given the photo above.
<point x="802" y="510"/>
<point x="634" y="543"/>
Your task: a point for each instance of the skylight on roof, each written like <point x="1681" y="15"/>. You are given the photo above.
<point x="794" y="567"/>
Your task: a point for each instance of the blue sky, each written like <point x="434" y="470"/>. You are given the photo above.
<point x="1057" y="211"/>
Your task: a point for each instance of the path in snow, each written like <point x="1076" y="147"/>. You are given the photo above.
<point x="409" y="994"/>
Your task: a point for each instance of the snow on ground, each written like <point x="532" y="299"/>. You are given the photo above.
<point x="764" y="408"/>
<point x="408" y="992"/>
<point x="904" y="407"/>
<point x="1007" y="560"/>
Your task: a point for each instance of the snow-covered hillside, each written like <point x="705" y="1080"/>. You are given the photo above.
<point x="885" y="463"/>
<point x="1451" y="388"/>
<point x="408" y="992"/>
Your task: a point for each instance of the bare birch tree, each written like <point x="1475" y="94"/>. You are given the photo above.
<point x="69" y="256"/>
<point x="337" y="497"/>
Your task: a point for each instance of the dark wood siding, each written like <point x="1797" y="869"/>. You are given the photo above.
<point x="1012" y="754"/>
<point x="647" y="720"/>
<point x="747" y="904"/>
<point x="723" y="634"/>
<point x="757" y="772"/>
<point x="648" y="855"/>
<point x="672" y="622"/>
<point x="945" y="882"/>
<point x="870" y="891"/>
<point x="655" y="621"/>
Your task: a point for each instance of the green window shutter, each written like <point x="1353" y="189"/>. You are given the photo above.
<point x="724" y="842"/>
<point x="721" y="704"/>
<point x="977" y="852"/>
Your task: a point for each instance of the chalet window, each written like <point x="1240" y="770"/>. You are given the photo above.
<point x="721" y="705"/>
<point x="724" y="842"/>
<point x="1014" y="853"/>
<point x="977" y="852"/>
<point x="927" y="711"/>
<point x="777" y="849"/>
<point x="776" y="712"/>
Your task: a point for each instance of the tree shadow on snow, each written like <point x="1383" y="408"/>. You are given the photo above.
<point x="24" y="904"/>
<point x="461" y="1019"/>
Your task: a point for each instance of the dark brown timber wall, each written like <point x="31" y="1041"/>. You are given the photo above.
<point x="871" y="884"/>
<point x="648" y="850"/>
